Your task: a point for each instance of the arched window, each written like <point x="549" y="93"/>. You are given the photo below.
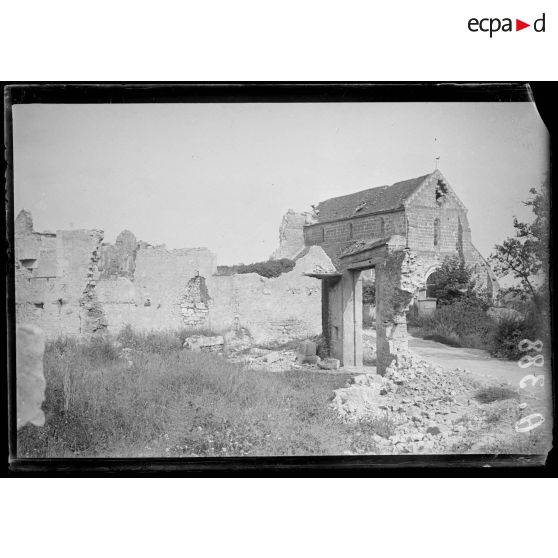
<point x="382" y="227"/>
<point x="436" y="231"/>
<point x="350" y="230"/>
<point x="323" y="234"/>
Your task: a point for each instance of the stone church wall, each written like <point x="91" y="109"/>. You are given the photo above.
<point x="357" y="228"/>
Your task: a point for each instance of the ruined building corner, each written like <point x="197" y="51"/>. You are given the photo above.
<point x="23" y="223"/>
<point x="291" y="236"/>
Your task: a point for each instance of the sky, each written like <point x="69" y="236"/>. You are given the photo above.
<point x="223" y="175"/>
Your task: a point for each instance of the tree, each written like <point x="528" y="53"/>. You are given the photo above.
<point x="369" y="292"/>
<point x="525" y="256"/>
<point x="453" y="282"/>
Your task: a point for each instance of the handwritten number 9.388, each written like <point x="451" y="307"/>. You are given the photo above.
<point x="533" y="420"/>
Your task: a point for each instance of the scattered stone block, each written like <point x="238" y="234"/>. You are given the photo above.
<point x="272" y="357"/>
<point x="434" y="430"/>
<point x="307" y="359"/>
<point x="238" y="339"/>
<point x="30" y="381"/>
<point x="329" y="364"/>
<point x="307" y="348"/>
<point x="203" y="343"/>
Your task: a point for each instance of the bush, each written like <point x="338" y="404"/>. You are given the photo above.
<point x="270" y="268"/>
<point x="455" y="281"/>
<point x="507" y="334"/>
<point x="463" y="323"/>
<point x="369" y="292"/>
<point x="414" y="320"/>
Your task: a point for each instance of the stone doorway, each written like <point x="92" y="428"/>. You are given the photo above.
<point x="342" y="316"/>
<point x="397" y="281"/>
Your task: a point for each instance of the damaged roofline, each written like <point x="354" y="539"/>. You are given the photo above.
<point x="357" y="216"/>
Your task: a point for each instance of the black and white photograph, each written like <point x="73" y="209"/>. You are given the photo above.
<point x="280" y="279"/>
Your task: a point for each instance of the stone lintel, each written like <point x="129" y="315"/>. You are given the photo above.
<point x="336" y="276"/>
<point x="366" y="259"/>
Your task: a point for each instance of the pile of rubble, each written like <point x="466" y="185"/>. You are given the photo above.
<point x="257" y="358"/>
<point x="304" y="358"/>
<point x="427" y="409"/>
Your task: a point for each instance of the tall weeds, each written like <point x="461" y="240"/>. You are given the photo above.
<point x="173" y="402"/>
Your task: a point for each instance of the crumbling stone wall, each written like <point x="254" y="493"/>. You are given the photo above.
<point x="119" y="260"/>
<point x="24" y="223"/>
<point x="93" y="318"/>
<point x="69" y="283"/>
<point x="291" y="236"/>
<point x="275" y="309"/>
<point x="55" y="274"/>
<point x="195" y="302"/>
<point x="397" y="280"/>
<point x="152" y="297"/>
<point x="271" y="309"/>
<point x="171" y="289"/>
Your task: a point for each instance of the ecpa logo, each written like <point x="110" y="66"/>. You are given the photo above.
<point x="494" y="24"/>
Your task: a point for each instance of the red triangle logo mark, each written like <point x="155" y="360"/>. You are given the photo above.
<point x="519" y="25"/>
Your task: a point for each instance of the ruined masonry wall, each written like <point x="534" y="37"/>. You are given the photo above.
<point x="152" y="300"/>
<point x="195" y="302"/>
<point x="69" y="283"/>
<point x="291" y="236"/>
<point x="54" y="275"/>
<point x="169" y="290"/>
<point x="275" y="309"/>
<point x="119" y="260"/>
<point x="398" y="279"/>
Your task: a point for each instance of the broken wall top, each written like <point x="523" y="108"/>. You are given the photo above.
<point x="23" y="223"/>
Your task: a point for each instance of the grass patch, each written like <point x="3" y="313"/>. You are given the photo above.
<point x="383" y="425"/>
<point x="173" y="402"/>
<point x="158" y="341"/>
<point x="534" y="442"/>
<point x="495" y="393"/>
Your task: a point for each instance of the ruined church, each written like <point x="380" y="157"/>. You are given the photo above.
<point x="73" y="283"/>
<point x="402" y="232"/>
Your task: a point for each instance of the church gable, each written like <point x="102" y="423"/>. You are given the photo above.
<point x="435" y="192"/>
